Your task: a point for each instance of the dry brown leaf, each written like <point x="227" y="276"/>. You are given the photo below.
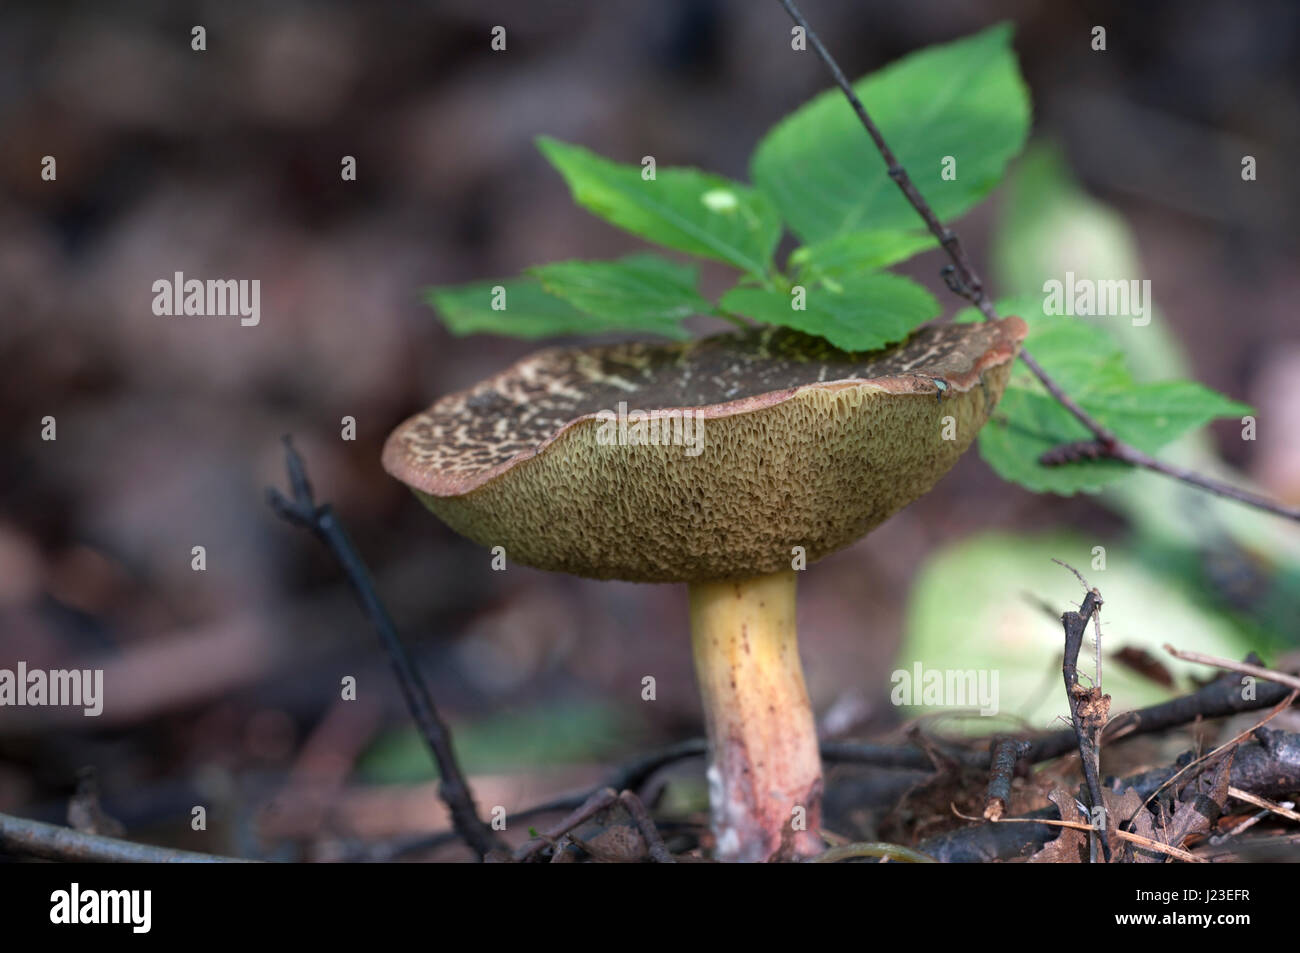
<point x="1198" y="810"/>
<point x="1072" y="846"/>
<point x="1129" y="809"/>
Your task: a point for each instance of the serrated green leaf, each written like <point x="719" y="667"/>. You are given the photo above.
<point x="1088" y="365"/>
<point x="865" y="313"/>
<point x="1024" y="426"/>
<point x="964" y="99"/>
<point x="528" y="312"/>
<point x="685" y="209"/>
<point x="1085" y="358"/>
<point x="643" y="291"/>
<point x="857" y="253"/>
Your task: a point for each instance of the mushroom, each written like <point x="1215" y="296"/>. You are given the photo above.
<point x="758" y="447"/>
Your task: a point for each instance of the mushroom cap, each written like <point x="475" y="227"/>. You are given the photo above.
<point x="787" y="442"/>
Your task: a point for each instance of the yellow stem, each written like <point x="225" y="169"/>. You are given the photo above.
<point x="765" y="778"/>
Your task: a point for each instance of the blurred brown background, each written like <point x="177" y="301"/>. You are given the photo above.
<point x="223" y="685"/>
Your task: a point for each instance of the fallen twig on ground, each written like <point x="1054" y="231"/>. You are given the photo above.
<point x="1271" y="806"/>
<point x="590" y="808"/>
<point x="1245" y="668"/>
<point x="1007" y="753"/>
<point x="654" y="843"/>
<point x="20" y="837"/>
<point x="1144" y="842"/>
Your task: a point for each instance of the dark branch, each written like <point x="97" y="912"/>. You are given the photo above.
<point x="1095" y="450"/>
<point x="1088" y="707"/>
<point x="963" y="280"/>
<point x="1007" y="753"/>
<point x="654" y="841"/>
<point x="453" y="788"/>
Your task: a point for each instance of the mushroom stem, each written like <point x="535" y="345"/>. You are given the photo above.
<point x="765" y="778"/>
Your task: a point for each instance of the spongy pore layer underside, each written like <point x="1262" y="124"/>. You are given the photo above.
<point x="795" y="445"/>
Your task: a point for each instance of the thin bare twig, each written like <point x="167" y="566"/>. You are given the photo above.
<point x="1218" y="839"/>
<point x="1096" y="617"/>
<point x="590" y="808"/>
<point x="963" y="280"/>
<point x="20" y="837"/>
<point x="1246" y="668"/>
<point x="1097" y="449"/>
<point x="1236" y="739"/>
<point x="1271" y="807"/>
<point x="654" y="842"/>
<point x="452" y="787"/>
<point x="630" y="777"/>
<point x="1144" y="842"/>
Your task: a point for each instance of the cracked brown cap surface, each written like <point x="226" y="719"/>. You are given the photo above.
<point x="767" y="440"/>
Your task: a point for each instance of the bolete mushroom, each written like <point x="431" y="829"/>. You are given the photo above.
<point x="753" y="448"/>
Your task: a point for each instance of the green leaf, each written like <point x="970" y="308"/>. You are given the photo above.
<point x="964" y="99"/>
<point x="1049" y="226"/>
<point x="685" y="209"/>
<point x="528" y="312"/>
<point x="845" y="256"/>
<point x="1088" y="365"/>
<point x="510" y="740"/>
<point x="644" y="291"/>
<point x="1084" y="357"/>
<point x="1002" y="578"/>
<point x="863" y="314"/>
